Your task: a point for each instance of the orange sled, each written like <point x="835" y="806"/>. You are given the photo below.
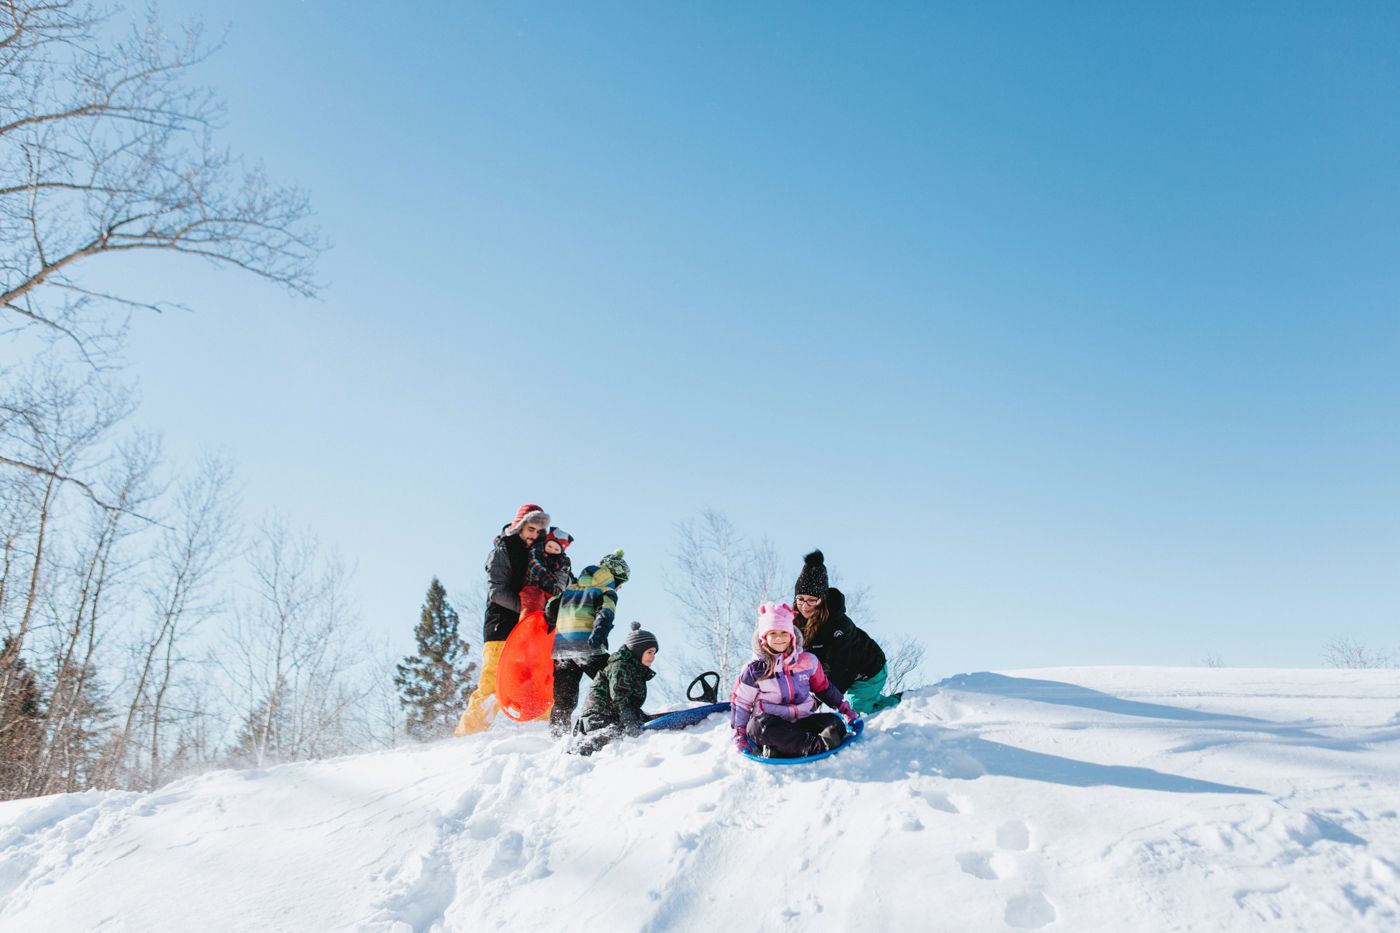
<point x="525" y="679"/>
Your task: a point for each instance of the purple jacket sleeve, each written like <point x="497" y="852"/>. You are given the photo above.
<point x="825" y="690"/>
<point x="744" y="698"/>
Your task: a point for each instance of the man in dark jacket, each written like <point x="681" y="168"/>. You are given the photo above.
<point x="505" y="574"/>
<point x="853" y="662"/>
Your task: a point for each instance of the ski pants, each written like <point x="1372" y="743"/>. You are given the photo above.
<point x="789" y="739"/>
<point x="593" y="734"/>
<point x="567" y="674"/>
<point x="481" y="708"/>
<point x="864" y="695"/>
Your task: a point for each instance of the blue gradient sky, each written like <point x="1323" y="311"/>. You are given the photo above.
<point x="1071" y="330"/>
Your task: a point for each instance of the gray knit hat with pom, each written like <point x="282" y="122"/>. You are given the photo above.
<point x="639" y="640"/>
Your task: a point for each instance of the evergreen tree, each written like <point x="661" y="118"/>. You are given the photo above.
<point x="78" y="722"/>
<point x="434" y="683"/>
<point x="260" y="740"/>
<point x="21" y="724"/>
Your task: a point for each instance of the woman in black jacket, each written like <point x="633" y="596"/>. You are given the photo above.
<point x="853" y="662"/>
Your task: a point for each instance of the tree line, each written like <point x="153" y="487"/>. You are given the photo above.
<point x="108" y="561"/>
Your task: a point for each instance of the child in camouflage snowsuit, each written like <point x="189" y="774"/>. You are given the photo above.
<point x="614" y="705"/>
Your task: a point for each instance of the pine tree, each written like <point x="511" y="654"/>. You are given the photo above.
<point x="21" y="724"/>
<point x="434" y="683"/>
<point x="259" y="741"/>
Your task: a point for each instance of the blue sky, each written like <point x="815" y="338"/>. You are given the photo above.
<point x="1070" y="330"/>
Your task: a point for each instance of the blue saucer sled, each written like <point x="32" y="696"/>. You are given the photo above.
<point x="852" y="734"/>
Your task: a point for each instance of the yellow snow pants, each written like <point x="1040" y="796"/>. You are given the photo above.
<point x="482" y="706"/>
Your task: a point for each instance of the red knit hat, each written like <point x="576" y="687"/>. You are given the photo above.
<point x="524" y="512"/>
<point x="560" y="537"/>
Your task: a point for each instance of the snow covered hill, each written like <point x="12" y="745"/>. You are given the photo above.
<point x="1108" y="799"/>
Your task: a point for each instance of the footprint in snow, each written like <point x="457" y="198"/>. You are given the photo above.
<point x="938" y="800"/>
<point x="1014" y="836"/>
<point x="466" y="805"/>
<point x="483" y="827"/>
<point x="978" y="865"/>
<point x="509" y="855"/>
<point x="492" y="773"/>
<point x="1030" y="911"/>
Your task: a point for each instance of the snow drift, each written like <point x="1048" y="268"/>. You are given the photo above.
<point x="1074" y="799"/>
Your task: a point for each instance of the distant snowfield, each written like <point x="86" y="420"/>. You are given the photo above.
<point x="1116" y="799"/>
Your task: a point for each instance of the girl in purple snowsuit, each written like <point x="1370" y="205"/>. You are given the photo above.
<point x="775" y="700"/>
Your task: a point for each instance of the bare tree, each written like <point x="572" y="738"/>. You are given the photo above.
<point x="1346" y="652"/>
<point x="86" y="602"/>
<point x="57" y="426"/>
<point x="903" y="660"/>
<point x="107" y="147"/>
<point x="376" y="720"/>
<point x="293" y="655"/>
<point x="189" y="553"/>
<point x="718" y="582"/>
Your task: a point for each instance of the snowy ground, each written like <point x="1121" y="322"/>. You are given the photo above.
<point x="1116" y="799"/>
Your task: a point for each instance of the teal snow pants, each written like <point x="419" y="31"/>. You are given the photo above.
<point x="864" y="695"/>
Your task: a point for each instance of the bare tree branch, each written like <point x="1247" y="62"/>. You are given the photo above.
<point x="74" y="481"/>
<point x="107" y="147"/>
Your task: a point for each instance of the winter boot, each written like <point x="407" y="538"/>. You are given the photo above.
<point x="832" y="736"/>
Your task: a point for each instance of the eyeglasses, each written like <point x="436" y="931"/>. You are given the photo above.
<point x="808" y="600"/>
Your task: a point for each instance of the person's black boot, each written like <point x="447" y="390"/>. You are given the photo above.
<point x="832" y="736"/>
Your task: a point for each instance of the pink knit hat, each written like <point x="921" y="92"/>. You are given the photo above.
<point x="774" y="617"/>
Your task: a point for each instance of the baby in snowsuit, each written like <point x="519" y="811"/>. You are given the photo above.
<point x="548" y="572"/>
<point x="775" y="700"/>
<point x="614" y="704"/>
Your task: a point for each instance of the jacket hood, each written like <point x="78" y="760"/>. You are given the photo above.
<point x="625" y="654"/>
<point x="787" y="657"/>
